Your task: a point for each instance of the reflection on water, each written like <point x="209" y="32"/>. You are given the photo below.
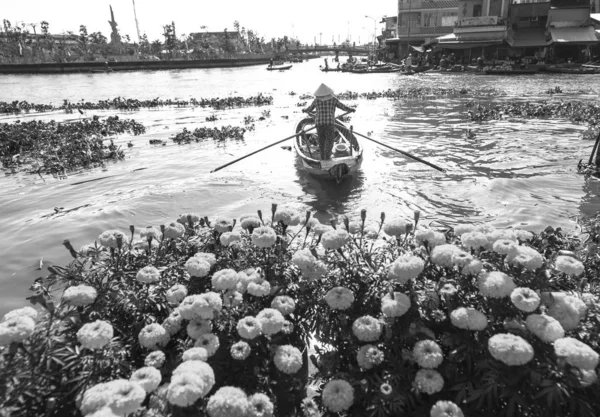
<point x="510" y="172"/>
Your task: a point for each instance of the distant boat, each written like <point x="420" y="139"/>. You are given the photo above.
<point x="279" y="67"/>
<point x="101" y="70"/>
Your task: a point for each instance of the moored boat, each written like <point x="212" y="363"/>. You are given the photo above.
<point x="571" y="70"/>
<point x="346" y="157"/>
<point x="279" y="67"/>
<point x="508" y="71"/>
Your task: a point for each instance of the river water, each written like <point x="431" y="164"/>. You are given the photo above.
<point x="513" y="173"/>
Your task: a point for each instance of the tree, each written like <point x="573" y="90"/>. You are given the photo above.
<point x="97" y="38"/>
<point x="236" y="26"/>
<point x="155" y="47"/>
<point x="170" y="40"/>
<point x="144" y="44"/>
<point x="83" y="39"/>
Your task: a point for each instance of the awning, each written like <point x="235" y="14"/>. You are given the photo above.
<point x="451" y="41"/>
<point x="528" y="38"/>
<point x="580" y="35"/>
<point x="392" y="41"/>
<point x="418" y="48"/>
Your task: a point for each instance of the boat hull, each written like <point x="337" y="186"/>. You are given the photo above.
<point x="279" y="68"/>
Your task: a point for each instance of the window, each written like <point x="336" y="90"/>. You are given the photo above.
<point x="477" y="10"/>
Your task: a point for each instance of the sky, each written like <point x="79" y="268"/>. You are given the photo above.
<point x="307" y="20"/>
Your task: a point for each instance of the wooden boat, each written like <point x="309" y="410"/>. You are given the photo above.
<point x="330" y="69"/>
<point x="571" y="70"/>
<point x="101" y="70"/>
<point x="373" y="70"/>
<point x="279" y="67"/>
<point x="346" y="157"/>
<point x="516" y="71"/>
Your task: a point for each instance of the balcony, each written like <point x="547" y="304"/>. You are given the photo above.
<point x="467" y="22"/>
<point x="423" y="31"/>
<point x="414" y="5"/>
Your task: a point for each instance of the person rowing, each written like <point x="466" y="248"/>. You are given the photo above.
<point x="325" y="103"/>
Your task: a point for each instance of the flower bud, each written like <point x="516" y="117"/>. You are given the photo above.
<point x="162" y="229"/>
<point x="132" y="229"/>
<point x="382" y="217"/>
<point x="347" y="224"/>
<point x="260" y="216"/>
<point x="409" y="227"/>
<point x="50" y="306"/>
<point x="417" y="217"/>
<point x="307" y="216"/>
<point x="233" y="225"/>
<point x="68" y="245"/>
<point x="363" y="215"/>
<point x="119" y="241"/>
<point x="334" y="223"/>
<point x="206" y="221"/>
<point x="273" y="208"/>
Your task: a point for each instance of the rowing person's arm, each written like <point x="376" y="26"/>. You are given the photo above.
<point x="342" y="106"/>
<point x="312" y="107"/>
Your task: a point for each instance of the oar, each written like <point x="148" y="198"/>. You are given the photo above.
<point x="595" y="148"/>
<point x="268" y="146"/>
<point x="402" y="152"/>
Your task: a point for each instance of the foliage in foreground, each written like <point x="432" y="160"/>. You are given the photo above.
<point x="201" y="317"/>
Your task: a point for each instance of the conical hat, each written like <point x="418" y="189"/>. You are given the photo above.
<point x="323" y="91"/>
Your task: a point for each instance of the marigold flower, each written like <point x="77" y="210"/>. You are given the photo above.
<point x="195" y="354"/>
<point x="126" y="396"/>
<point x="155" y="359"/>
<point x="225" y="279"/>
<point x="448" y="290"/>
<point x="395" y="307"/>
<point x="386" y="389"/>
<point x="446" y="409"/>
<point x="173" y="323"/>
<point x="185" y="389"/>
<point x="460" y="259"/>
<point x="576" y="353"/>
<point x="245" y="279"/>
<point x="473" y="267"/>
<point x="338" y="395"/>
<point x="369" y="356"/>
<point x="260" y="406"/>
<point x="319" y="229"/>
<point x="287" y="216"/>
<point x="103" y="412"/>
<point x="259" y="288"/>
<point x="174" y="230"/>
<point x="523" y="235"/>
<point x="484" y="228"/>
<point x="198" y="327"/>
<point x="367" y="328"/>
<point x="303" y="258"/>
<point x="505" y="246"/>
<point x="153" y="337"/>
<point x="150" y="232"/>
<point x="187" y="217"/>
<point x="228" y="238"/>
<point x="19" y="312"/>
<point x="468" y="319"/>
<point x="429" y="381"/>
<point x="474" y="240"/>
<point x="16" y="330"/>
<point x="228" y="402"/>
<point x="96" y="398"/>
<point x="207" y="256"/>
<point x="79" y="295"/>
<point x="148" y="275"/>
<point x="288" y="327"/>
<point x="567" y="309"/>
<point x="310" y="408"/>
<point x="208" y="341"/>
<point x="496" y="284"/>
<point x="271" y="320"/>
<point x="527" y="257"/>
<point x="284" y="304"/>
<point x="250" y="222"/>
<point x="511" y="349"/>
<point x="200" y="368"/>
<point x="545" y="327"/>
<point x="233" y="298"/>
<point x="314" y="271"/>
<point x="95" y="335"/>
<point x="441" y="255"/>
<point x="335" y="239"/>
<point x="405" y="268"/>
<point x="525" y="299"/>
<point x="200" y="306"/>
<point x="396" y="227"/>
<point x="147" y="377"/>
<point x="460" y="229"/>
<point x="264" y="237"/>
<point x="339" y="298"/>
<point x="176" y="293"/>
<point x="222" y="225"/>
<point x="569" y="265"/>
<point x="109" y="238"/>
<point x="498" y="234"/>
<point x="288" y="359"/>
<point x="197" y="267"/>
<point x="428" y="354"/>
<point x="240" y="350"/>
<point x="249" y="327"/>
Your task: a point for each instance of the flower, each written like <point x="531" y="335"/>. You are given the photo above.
<point x="126" y="396"/>
<point x="249" y="327"/>
<point x="468" y="319"/>
<point x="240" y="350"/>
<point x="16" y="330"/>
<point x="460" y="229"/>
<point x="366" y="328"/>
<point x="271" y="320"/>
<point x="259" y="288"/>
<point x="505" y="246"/>
<point x="250" y="222"/>
<point x="185" y="389"/>
<point x="545" y="327"/>
<point x="474" y="240"/>
<point x="245" y="278"/>
<point x="197" y="267"/>
<point x="148" y="275"/>
<point x="369" y="356"/>
<point x="103" y="412"/>
<point x="201" y="306"/>
<point x="228" y="402"/>
<point x="23" y="311"/>
<point x="319" y="228"/>
<point x="461" y="258"/>
<point x="424" y="236"/>
<point x="225" y="279"/>
<point x="448" y="290"/>
<point x="395" y="307"/>
<point x="339" y="298"/>
<point x="174" y="230"/>
<point x="228" y="238"/>
<point x="284" y="304"/>
<point x="496" y="284"/>
<point x="446" y="409"/>
<point x="200" y="368"/>
<point x="428" y="354"/>
<point x="173" y="323"/>
<point x="109" y="238"/>
<point x="442" y="255"/>
<point x="153" y="336"/>
<point x="525" y="299"/>
<point x="198" y="327"/>
<point x="303" y="258"/>
<point x="260" y="406"/>
<point x="496" y="235"/>
<point x="95" y="335"/>
<point x="523" y="235"/>
<point x="222" y="225"/>
<point x="511" y="349"/>
<point x="569" y="265"/>
<point x="287" y="216"/>
<point x="288" y="359"/>
<point x="405" y="268"/>
<point x="396" y="227"/>
<point x="567" y="309"/>
<point x="207" y="256"/>
<point x="310" y="408"/>
<point x="79" y="295"/>
<point x="335" y="239"/>
<point x="314" y="271"/>
<point x="264" y="237"/>
<point x="147" y="377"/>
<point x="195" y="354"/>
<point x="338" y="395"/>
<point x="187" y="217"/>
<point x="233" y="298"/>
<point x="473" y="267"/>
<point x="288" y="327"/>
<point x="587" y="377"/>
<point x="176" y="294"/>
<point x="576" y="353"/>
<point x="150" y="232"/>
<point x="96" y="398"/>
<point x="155" y="359"/>
<point x="429" y="381"/>
<point x="386" y="389"/>
<point x="527" y="257"/>
<point x="208" y="341"/>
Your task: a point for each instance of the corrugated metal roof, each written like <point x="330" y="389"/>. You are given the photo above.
<point x="528" y="38"/>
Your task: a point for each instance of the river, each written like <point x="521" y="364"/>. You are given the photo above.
<point x="513" y="173"/>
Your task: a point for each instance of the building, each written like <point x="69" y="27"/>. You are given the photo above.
<point x="570" y="29"/>
<point x="527" y="34"/>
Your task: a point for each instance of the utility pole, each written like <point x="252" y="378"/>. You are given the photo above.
<point x="408" y="35"/>
<point x="321" y="38"/>
<point x="137" y="26"/>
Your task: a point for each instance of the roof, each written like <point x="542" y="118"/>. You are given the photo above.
<point x="595" y="16"/>
<point x="576" y="35"/>
<point x="451" y="41"/>
<point x="528" y="38"/>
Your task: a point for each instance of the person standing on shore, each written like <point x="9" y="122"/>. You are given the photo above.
<point x="325" y="104"/>
<point x="408" y="63"/>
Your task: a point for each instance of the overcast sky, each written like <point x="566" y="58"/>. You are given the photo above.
<point x="305" y="19"/>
